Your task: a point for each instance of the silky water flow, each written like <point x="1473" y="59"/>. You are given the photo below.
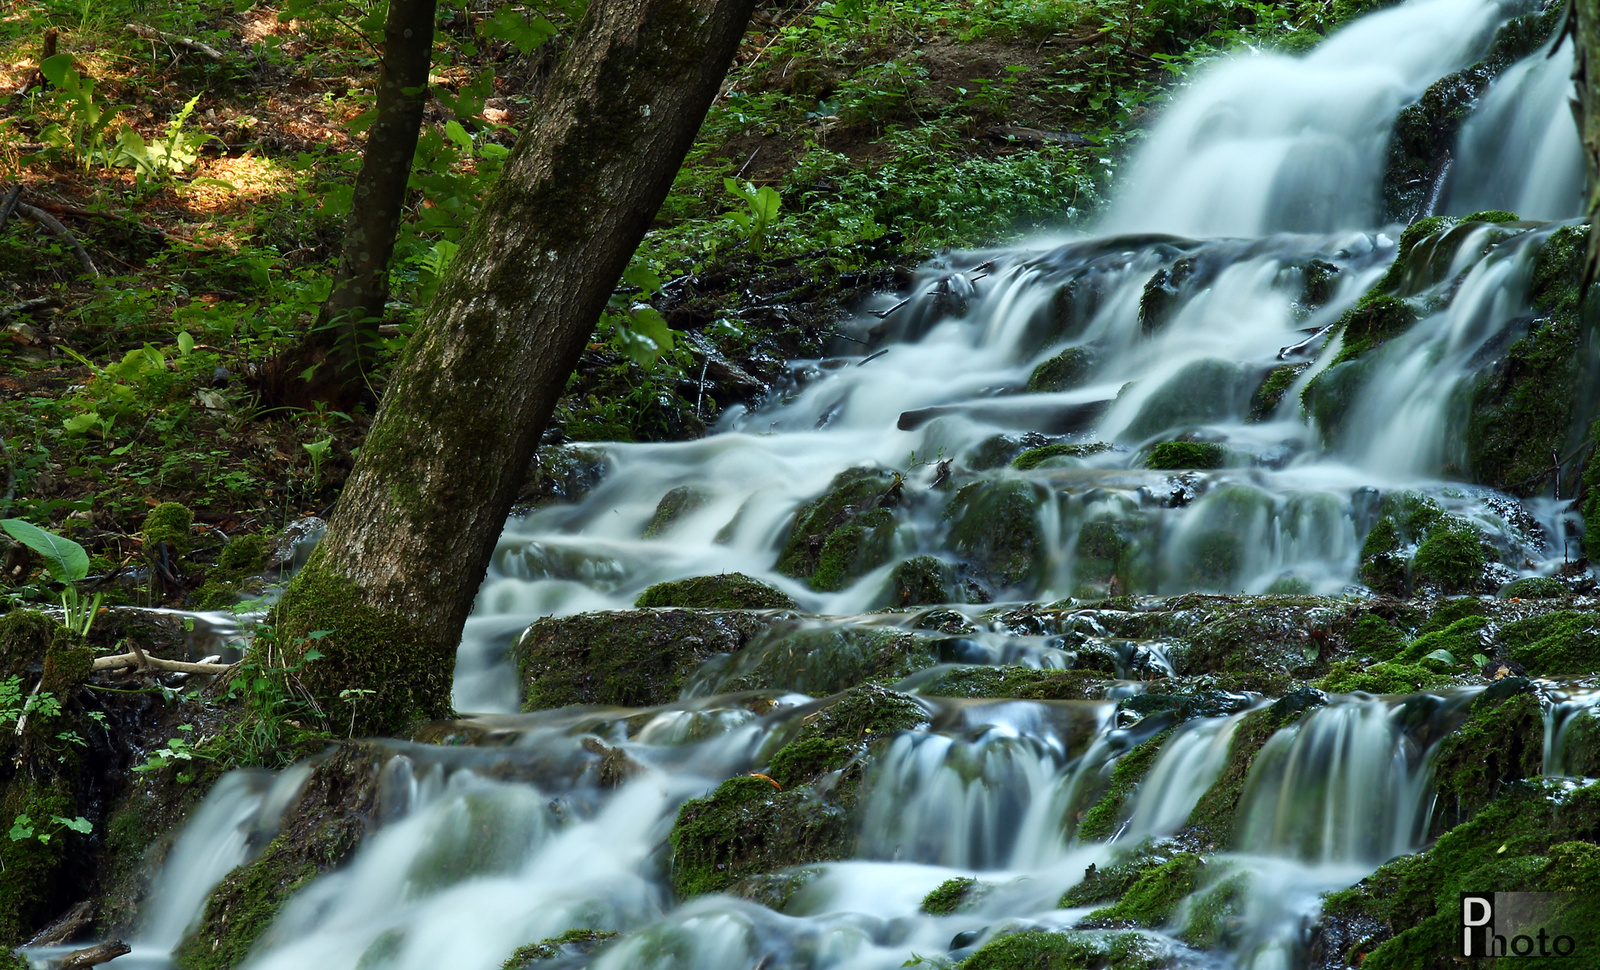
<point x="1264" y="171"/>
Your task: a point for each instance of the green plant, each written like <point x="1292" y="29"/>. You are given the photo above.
<point x="23" y="827"/>
<point x="761" y="210"/>
<point x="68" y="564"/>
<point x="176" y="749"/>
<point x="14" y="705"/>
<point x="316" y="450"/>
<point x="83" y="132"/>
<point x="174" y="153"/>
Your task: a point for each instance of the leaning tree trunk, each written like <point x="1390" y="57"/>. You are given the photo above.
<point x="1584" y="26"/>
<point x="333" y="350"/>
<point x="396" y="574"/>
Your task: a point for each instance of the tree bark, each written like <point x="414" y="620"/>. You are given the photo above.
<point x="408" y="545"/>
<point x="1584" y="26"/>
<point x="333" y="350"/>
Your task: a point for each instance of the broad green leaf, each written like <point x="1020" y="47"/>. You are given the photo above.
<point x="765" y="204"/>
<point x="58" y="70"/>
<point x="1479" y="659"/>
<point x="459" y="134"/>
<point x="1443" y="656"/>
<point x="511" y="26"/>
<point x="79" y="824"/>
<point x="67" y="561"/>
<point x="185" y="343"/>
<point x="80" y="423"/>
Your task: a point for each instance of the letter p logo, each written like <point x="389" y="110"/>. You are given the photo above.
<point x="1477" y="920"/>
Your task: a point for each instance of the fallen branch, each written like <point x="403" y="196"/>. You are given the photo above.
<point x="137" y="658"/>
<point x="95" y="955"/>
<point x="55" y="228"/>
<point x="188" y="43"/>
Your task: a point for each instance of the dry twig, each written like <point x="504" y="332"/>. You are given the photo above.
<point x="187" y="43"/>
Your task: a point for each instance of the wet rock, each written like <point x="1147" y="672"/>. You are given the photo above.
<point x="562" y="473"/>
<point x="1023" y="683"/>
<point x="576" y="942"/>
<point x="629" y="659"/>
<point x="1111" y="809"/>
<point x="1173" y="455"/>
<point x="1162" y="294"/>
<point x="846" y="532"/>
<point x="994" y="526"/>
<point x="747" y="827"/>
<point x="677" y="503"/>
<point x="1349" y="677"/>
<point x="1045" y="455"/>
<point x="951" y="895"/>
<point x="920" y="581"/>
<point x="999" y="450"/>
<point x="1064" y="371"/>
<point x="1533" y="588"/>
<point x="728" y="591"/>
<point x="1500" y="742"/>
<point x="1041" y="950"/>
<point x="1264" y="402"/>
<point x="815" y="658"/>
<point x="1203" y="391"/>
<point x="1566" y="642"/>
<point x="1292" y="641"/>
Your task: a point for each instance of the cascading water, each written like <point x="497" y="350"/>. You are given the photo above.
<point x="479" y="851"/>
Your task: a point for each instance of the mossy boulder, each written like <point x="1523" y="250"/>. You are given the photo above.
<point x="574" y="942"/>
<point x="728" y="591"/>
<point x="1264" y="402"/>
<point x="920" y="581"/>
<point x="168" y="524"/>
<point x="1062" y="372"/>
<point x="1451" y="558"/>
<point x="1174" y="455"/>
<point x="321" y="831"/>
<point x="1283" y="640"/>
<point x="1201" y="392"/>
<point x="847" y="531"/>
<point x="677" y="503"/>
<point x="1046" y="455"/>
<point x="1102" y="818"/>
<point x="1500" y="743"/>
<point x="629" y="659"/>
<point x="1405" y="520"/>
<point x="1564" y="643"/>
<point x="817" y="658"/>
<point x="1371" y="323"/>
<point x="1022" y="683"/>
<point x="1041" y="950"/>
<point x="1213" y="819"/>
<point x="994" y="526"/>
<point x="949" y="896"/>
<point x="1348" y="677"/>
<point x="1373" y="636"/>
<point x="1534" y="588"/>
<point x="1154" y="897"/>
<point x="747" y="827"/>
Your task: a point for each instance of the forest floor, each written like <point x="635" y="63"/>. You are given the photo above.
<point x="202" y="154"/>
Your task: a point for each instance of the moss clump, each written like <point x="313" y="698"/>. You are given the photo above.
<point x="920" y="581"/>
<point x="1447" y="613"/>
<point x="673" y="506"/>
<point x="1460" y="639"/>
<point x="995" y="525"/>
<point x="1034" y="457"/>
<point x="1155" y="895"/>
<point x="575" y="941"/>
<point x="1039" y="950"/>
<point x="820" y="659"/>
<point x="1371" y="323"/>
<point x="168" y="523"/>
<point x="808" y="759"/>
<point x="319" y="833"/>
<point x="851" y="496"/>
<point x="1062" y="372"/>
<point x="1174" y="455"/>
<point x="246" y="554"/>
<point x="1347" y="677"/>
<point x="1373" y="636"/>
<point x="1405" y="519"/>
<point x="1534" y="588"/>
<point x="1213" y="817"/>
<point x="1491" y="215"/>
<point x="629" y="659"/>
<point x="746" y="826"/>
<point x="729" y="591"/>
<point x="1023" y="683"/>
<point x="407" y="667"/>
<point x="1501" y="742"/>
<point x="1273" y="387"/>
<point x="1534" y="838"/>
<point x="948" y="896"/>
<point x="1561" y="643"/>
<point x="1100" y="821"/>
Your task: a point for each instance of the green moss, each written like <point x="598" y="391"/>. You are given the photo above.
<point x="572" y="941"/>
<point x="1023" y="683"/>
<point x="807" y="759"/>
<point x="821" y="659"/>
<point x="407" y="667"/>
<point x="246" y="554"/>
<point x="746" y="826"/>
<point x="1371" y="323"/>
<point x="1535" y="588"/>
<point x="1101" y="820"/>
<point x="1273" y="387"/>
<point x="629" y="659"/>
<point x="1213" y="817"/>
<point x="168" y="523"/>
<point x="1062" y="372"/>
<point x="1561" y="643"/>
<point x="1383" y="567"/>
<point x="920" y="581"/>
<point x="1501" y="742"/>
<point x="1347" y="677"/>
<point x="728" y="591"/>
<point x="1491" y="215"/>
<point x="995" y="525"/>
<point x="25" y="635"/>
<point x="854" y="549"/>
<point x="948" y="896"/>
<point x="1039" y="950"/>
<point x="1461" y="639"/>
<point x="1155" y="896"/>
<point x="1373" y="636"/>
<point x="851" y="494"/>
<point x="1034" y="457"/>
<point x="1172" y="455"/>
<point x="673" y="506"/>
<point x="36" y="877"/>
<point x="1448" y="612"/>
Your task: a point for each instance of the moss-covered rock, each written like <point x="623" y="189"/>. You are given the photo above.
<point x="728" y="591"/>
<point x="1373" y="636"/>
<point x="1348" y="677"/>
<point x="1405" y="520"/>
<point x="847" y="531"/>
<point x="1371" y="323"/>
<point x="1212" y="821"/>
<point x="949" y="896"/>
<point x="818" y="659"/>
<point x="1153" y="898"/>
<point x="1461" y="639"/>
<point x="1264" y="402"/>
<point x="920" y="581"/>
<point x="1500" y="742"/>
<point x="319" y="833"/>
<point x="747" y="826"/>
<point x="574" y="942"/>
<point x="1062" y="372"/>
<point x="1174" y="455"/>
<point x="1023" y="683"/>
<point x="1036" y="457"/>
<point x="677" y="503"/>
<point x="995" y="526"/>
<point x="1451" y="558"/>
<point x="169" y="525"/>
<point x="1101" y="819"/>
<point x="630" y="659"/>
<point x="1561" y="643"/>
<point x="1040" y="950"/>
<point x="1534" y="588"/>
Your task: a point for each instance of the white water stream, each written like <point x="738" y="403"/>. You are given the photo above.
<point x="1264" y="165"/>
